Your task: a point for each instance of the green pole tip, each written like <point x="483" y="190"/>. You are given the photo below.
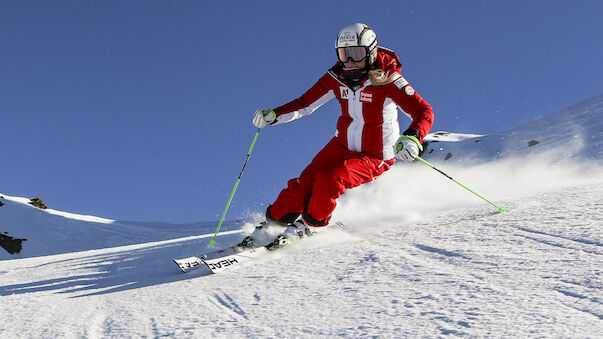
<point x="212" y="242"/>
<point x="502" y="209"/>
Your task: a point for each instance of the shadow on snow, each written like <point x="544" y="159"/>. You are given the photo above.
<point x="99" y="274"/>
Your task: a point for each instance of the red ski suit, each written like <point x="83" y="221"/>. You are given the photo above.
<point x="362" y="148"/>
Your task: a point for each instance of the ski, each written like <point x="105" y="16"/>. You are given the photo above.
<point x="230" y="257"/>
<point x="221" y="260"/>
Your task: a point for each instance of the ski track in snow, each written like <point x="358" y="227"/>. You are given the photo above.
<point x="534" y="271"/>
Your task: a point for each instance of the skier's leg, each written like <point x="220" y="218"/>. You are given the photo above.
<point x="331" y="182"/>
<point x="289" y="204"/>
<point x="293" y="199"/>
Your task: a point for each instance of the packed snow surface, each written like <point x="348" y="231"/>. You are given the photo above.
<point x="419" y="256"/>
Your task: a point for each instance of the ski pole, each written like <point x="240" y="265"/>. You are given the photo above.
<point x="500" y="208"/>
<point x="213" y="240"/>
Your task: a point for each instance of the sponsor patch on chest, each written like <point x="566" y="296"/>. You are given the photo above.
<point x="344" y="92"/>
<point x="366" y="97"/>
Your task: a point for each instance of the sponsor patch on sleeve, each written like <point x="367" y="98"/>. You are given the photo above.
<point x="409" y="90"/>
<point x="401" y="82"/>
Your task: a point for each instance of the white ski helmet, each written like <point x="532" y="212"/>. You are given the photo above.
<point x="356" y="35"/>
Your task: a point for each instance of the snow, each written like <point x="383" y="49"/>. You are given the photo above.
<point x="419" y="256"/>
<point x="574" y="133"/>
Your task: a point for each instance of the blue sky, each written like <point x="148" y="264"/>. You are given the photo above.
<point x="141" y="110"/>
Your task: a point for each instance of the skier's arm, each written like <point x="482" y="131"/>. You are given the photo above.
<point x="315" y="97"/>
<point x="412" y="104"/>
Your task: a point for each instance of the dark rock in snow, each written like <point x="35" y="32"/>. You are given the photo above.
<point x="448" y="156"/>
<point x="440" y="134"/>
<point x="37" y="202"/>
<point x="10" y="244"/>
<point x="533" y="143"/>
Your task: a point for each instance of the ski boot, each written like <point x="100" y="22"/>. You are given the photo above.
<point x="294" y="232"/>
<point x="279" y="242"/>
<point x="297" y="230"/>
<point x="246" y="242"/>
<point x="259" y="237"/>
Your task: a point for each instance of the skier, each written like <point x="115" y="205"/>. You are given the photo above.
<point x="367" y="82"/>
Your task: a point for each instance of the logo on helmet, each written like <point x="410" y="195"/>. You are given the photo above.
<point x="347" y="37"/>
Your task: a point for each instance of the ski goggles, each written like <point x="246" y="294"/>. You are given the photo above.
<point x="356" y="53"/>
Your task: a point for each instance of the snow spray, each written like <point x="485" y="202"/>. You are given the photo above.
<point x="500" y="208"/>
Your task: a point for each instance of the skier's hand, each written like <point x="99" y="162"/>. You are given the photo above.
<point x="263" y="117"/>
<point x="407" y="148"/>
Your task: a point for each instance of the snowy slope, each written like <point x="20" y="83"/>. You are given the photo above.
<point x="419" y="256"/>
<point x="575" y="133"/>
<point x="53" y="232"/>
